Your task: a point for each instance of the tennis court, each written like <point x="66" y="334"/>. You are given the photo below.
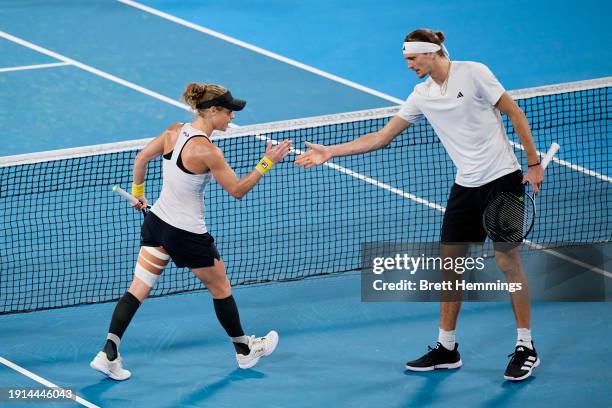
<point x="112" y="88"/>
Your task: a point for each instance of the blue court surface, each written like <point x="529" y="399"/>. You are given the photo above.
<point x="333" y="350"/>
<point x="99" y="71"/>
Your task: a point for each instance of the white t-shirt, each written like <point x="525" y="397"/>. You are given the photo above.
<point x="466" y="121"/>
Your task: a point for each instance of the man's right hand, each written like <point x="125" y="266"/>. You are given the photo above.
<point x="317" y="155"/>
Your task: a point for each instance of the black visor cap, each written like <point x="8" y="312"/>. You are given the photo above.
<point x="226" y="100"/>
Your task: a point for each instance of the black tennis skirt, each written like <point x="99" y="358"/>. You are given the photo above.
<point x="187" y="249"/>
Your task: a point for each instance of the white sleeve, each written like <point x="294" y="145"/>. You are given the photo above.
<point x="487" y="86"/>
<point x="409" y="110"/>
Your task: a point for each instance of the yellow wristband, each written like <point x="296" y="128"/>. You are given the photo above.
<point x="264" y="165"/>
<point x="138" y="190"/>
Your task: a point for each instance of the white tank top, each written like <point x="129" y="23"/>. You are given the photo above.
<point x="181" y="202"/>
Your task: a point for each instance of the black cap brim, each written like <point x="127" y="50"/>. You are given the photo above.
<point x="234" y="104"/>
<point x="226" y="100"/>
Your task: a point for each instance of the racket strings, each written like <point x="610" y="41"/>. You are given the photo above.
<point x="509" y="217"/>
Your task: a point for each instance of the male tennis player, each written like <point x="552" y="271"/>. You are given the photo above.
<point x="175" y="226"/>
<point x="462" y="101"/>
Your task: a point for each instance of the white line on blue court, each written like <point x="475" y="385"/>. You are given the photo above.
<point x="570" y="165"/>
<point x="261" y="51"/>
<point x="570" y="259"/>
<point x="43" y="381"/>
<point x="369" y="180"/>
<point x="37" y="66"/>
<point x="93" y="70"/>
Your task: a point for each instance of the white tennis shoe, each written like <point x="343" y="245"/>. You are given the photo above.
<point x="259" y="346"/>
<point x="113" y="369"/>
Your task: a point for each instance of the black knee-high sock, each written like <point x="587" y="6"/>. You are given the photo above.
<point x="227" y="314"/>
<point x="122" y="316"/>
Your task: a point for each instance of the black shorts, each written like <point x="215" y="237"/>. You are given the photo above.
<point x="185" y="248"/>
<point x="463" y="217"/>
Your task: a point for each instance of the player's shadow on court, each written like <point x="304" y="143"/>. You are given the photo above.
<point x="96" y="392"/>
<point x="208" y="390"/>
<point x="426" y="395"/>
<point x="509" y="391"/>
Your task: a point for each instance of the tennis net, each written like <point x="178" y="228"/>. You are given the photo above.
<point x="66" y="239"/>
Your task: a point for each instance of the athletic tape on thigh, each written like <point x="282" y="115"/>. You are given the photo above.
<point x="147" y="277"/>
<point x="152" y="263"/>
<point x="157" y="253"/>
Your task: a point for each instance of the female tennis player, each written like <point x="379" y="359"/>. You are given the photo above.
<point x="462" y="101"/>
<point x="175" y="226"/>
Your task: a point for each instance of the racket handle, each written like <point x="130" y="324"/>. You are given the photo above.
<point x="554" y="148"/>
<point x="125" y="195"/>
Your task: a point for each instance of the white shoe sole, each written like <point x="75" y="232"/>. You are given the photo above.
<point x="101" y="367"/>
<point x="537" y="363"/>
<point x="448" y="366"/>
<point x="274" y="337"/>
<point x="250" y="364"/>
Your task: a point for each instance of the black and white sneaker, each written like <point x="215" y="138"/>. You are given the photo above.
<point x="523" y="361"/>
<point x="436" y="358"/>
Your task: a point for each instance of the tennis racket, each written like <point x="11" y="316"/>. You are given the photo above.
<point x="510" y="216"/>
<point x="129" y="198"/>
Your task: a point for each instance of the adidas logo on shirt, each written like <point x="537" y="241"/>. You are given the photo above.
<point x="459" y="95"/>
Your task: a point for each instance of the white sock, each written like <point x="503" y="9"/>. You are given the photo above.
<point x="114" y="338"/>
<point x="240" y="339"/>
<point x="523" y="338"/>
<point x="447" y="339"/>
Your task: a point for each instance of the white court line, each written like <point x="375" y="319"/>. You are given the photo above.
<point x="44" y="382"/>
<point x="369" y="180"/>
<point x="93" y="70"/>
<point x="571" y="165"/>
<point x="570" y="259"/>
<point x="37" y="66"/>
<point x="261" y="51"/>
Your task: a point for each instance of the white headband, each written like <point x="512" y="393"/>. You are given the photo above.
<point x="418" y="47"/>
